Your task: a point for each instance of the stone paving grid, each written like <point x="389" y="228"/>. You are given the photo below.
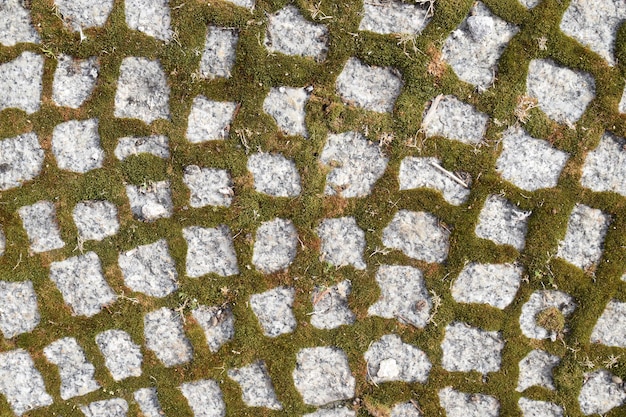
<point x="321" y="375"/>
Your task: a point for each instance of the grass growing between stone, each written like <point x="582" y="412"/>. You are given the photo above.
<point x="398" y="134"/>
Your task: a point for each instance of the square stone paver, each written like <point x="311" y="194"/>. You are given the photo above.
<point x="424" y="173"/>
<point x="150" y="202"/>
<point x="418" y="236"/>
<point x="149" y="269"/>
<point x="502" y="222"/>
<point x="74" y="80"/>
<point x="451" y="118"/>
<point x="164" y="335"/>
<point x="273" y="309"/>
<point x="584" y="240"/>
<point x="609" y="329"/>
<point x="19" y="311"/>
<point x="219" y="54"/>
<point x="275" y="245"/>
<point x="151" y="17"/>
<point x="148" y="402"/>
<point x="95" y="220"/>
<point x="204" y="398"/>
<point x="209" y="120"/>
<point x="461" y="404"/>
<point x="21" y="82"/>
<point x="208" y="186"/>
<point x="536" y="370"/>
<point x="274" y="175"/>
<point x="256" y="385"/>
<point x="157" y="145"/>
<point x="40" y="223"/>
<point x="466" y="348"/>
<point x="76" y="146"/>
<point x="538" y="302"/>
<point x="16" y="25"/>
<point x="390" y="359"/>
<point x="75" y="371"/>
<point x="605" y="166"/>
<point x="287" y="106"/>
<point x="83" y="14"/>
<point x="492" y="284"/>
<point x="218" y="323"/>
<point x="386" y="17"/>
<point x="116" y="407"/>
<point x="210" y="250"/>
<point x="330" y="306"/>
<point x="21" y="383"/>
<point x="121" y="355"/>
<point x="343" y="242"/>
<point x="21" y="159"/>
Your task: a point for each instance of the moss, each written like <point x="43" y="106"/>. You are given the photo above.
<point x="552" y="320"/>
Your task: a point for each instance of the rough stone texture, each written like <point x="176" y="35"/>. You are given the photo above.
<point x="148" y="402"/>
<point x="248" y="4"/>
<point x="421" y="173"/>
<point x="75" y="371"/>
<point x="492" y="284"/>
<point x="40" y="223"/>
<point x="274" y="175"/>
<point x="218" y="324"/>
<point x="95" y="220"/>
<point x="528" y="163"/>
<point x="355" y="164"/>
<point x="157" y="145"/>
<point x="74" y="80"/>
<point x="76" y="146"/>
<point x="584" y="239"/>
<point x="372" y="88"/>
<point x="389" y="359"/>
<point x="115" y="407"/>
<point x="538" y="302"/>
<point x="209" y="120"/>
<point x="21" y="383"/>
<point x="208" y="186"/>
<point x="451" y="118"/>
<point x="83" y="14"/>
<point x="164" y="335"/>
<point x="600" y="394"/>
<point x="408" y="409"/>
<point x="273" y="310"/>
<point x="287" y="106"/>
<point x="343" y="242"/>
<point x="289" y="33"/>
<point x="121" y="355"/>
<point x="418" y="235"/>
<point x="151" y="201"/>
<point x="142" y="91"/>
<point x="151" y="17"/>
<point x="403" y="295"/>
<point x="205" y="398"/>
<point x="622" y="104"/>
<point x="532" y="408"/>
<point x="332" y="412"/>
<point x="19" y="312"/>
<point x="473" y="49"/>
<point x="322" y="375"/>
<point x="386" y="17"/>
<point x="595" y="25"/>
<point x="605" y="166"/>
<point x="561" y="93"/>
<point x="467" y="348"/>
<point x="210" y="250"/>
<point x="256" y="386"/>
<point x="330" y="306"/>
<point x="149" y="269"/>
<point x="503" y="222"/>
<point x="529" y="4"/>
<point x="460" y="404"/>
<point x="536" y="370"/>
<point x="21" y="158"/>
<point x="275" y="245"/>
<point x="15" y="24"/>
<point x="82" y="284"/>
<point x="21" y="82"/>
<point x="219" y="53"/>
<point x="609" y="329"/>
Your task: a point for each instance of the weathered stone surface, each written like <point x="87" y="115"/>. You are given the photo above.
<point x="273" y="309"/>
<point x="371" y="88"/>
<point x="600" y="393"/>
<point x="83" y="14"/>
<point x="149" y="269"/>
<point x="21" y="383"/>
<point x="354" y="162"/>
<point x="121" y="355"/>
<point x="75" y="371"/>
<point x="209" y="120"/>
<point x="208" y="186"/>
<point x="218" y="323"/>
<point x="562" y="94"/>
<point x="157" y="145"/>
<point x="492" y="284"/>
<point x="82" y="284"/>
<point x="460" y="404"/>
<point x="473" y="49"/>
<point x="529" y="4"/>
<point x="389" y="359"/>
<point x="403" y="295"/>
<point x="423" y="173"/>
<point x="330" y="306"/>
<point x="536" y="370"/>
<point x="40" y="223"/>
<point x="609" y="329"/>
<point x="116" y="407"/>
<point x="19" y="311"/>
<point x="408" y="409"/>
<point x="205" y="398"/>
<point x="95" y="220"/>
<point x="605" y="166"/>
<point x="532" y="408"/>
<point x="418" y="235"/>
<point x="322" y="375"/>
<point x="151" y="17"/>
<point x="528" y="163"/>
<point x="142" y="91"/>
<point x="21" y="159"/>
<point x="538" y="302"/>
<point x="15" y="24"/>
<point x="467" y="348"/>
<point x="74" y="80"/>
<point x="248" y="4"/>
<point x="289" y="33"/>
<point x="219" y="53"/>
<point x="151" y="201"/>
<point x="584" y="240"/>
<point x="164" y="335"/>
<point x="76" y="146"/>
<point x="385" y="17"/>
<point x="275" y="245"/>
<point x="343" y="242"/>
<point x="451" y="118"/>
<point x="210" y="250"/>
<point x="257" y="389"/>
<point x="21" y="82"/>
<point x="148" y="402"/>
<point x="502" y="222"/>
<point x="274" y="175"/>
<point x="287" y="106"/>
